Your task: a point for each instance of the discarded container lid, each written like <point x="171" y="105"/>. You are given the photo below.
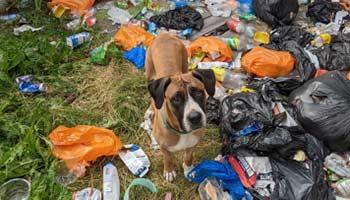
<point x="262" y="37"/>
<point x="15" y="189"/>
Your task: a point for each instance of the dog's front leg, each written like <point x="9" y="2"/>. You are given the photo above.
<point x="169" y="167"/>
<point x="188" y="159"/>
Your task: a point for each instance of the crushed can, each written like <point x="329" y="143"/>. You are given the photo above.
<point x="25" y="85"/>
<point x="77" y="39"/>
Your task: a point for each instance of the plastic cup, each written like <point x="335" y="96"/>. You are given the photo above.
<point x="262" y="37"/>
<point x="15" y="189"/>
<point x="63" y="175"/>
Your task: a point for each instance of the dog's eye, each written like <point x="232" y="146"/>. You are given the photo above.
<point x="196" y="92"/>
<point x="177" y="98"/>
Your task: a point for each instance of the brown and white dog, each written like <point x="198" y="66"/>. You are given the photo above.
<point x="179" y="99"/>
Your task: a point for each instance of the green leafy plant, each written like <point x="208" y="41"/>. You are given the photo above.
<point x="38" y="4"/>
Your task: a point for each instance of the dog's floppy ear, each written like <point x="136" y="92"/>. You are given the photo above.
<point x="157" y="90"/>
<point x="207" y="77"/>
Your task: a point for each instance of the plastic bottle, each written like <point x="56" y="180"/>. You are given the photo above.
<point x="236" y="25"/>
<point x="245" y="43"/>
<point x="234" y="80"/>
<point x="338" y="165"/>
<point x="111" y="182"/>
<point x="73" y="24"/>
<point x="240" y="27"/>
<point x="342" y="187"/>
<point x="75" y="40"/>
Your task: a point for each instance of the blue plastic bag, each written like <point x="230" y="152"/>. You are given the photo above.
<point x="221" y="171"/>
<point x="251" y="129"/>
<point x="137" y="56"/>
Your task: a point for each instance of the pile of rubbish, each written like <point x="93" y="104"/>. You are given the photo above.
<point x="282" y="100"/>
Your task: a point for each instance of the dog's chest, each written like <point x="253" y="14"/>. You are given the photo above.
<point x="185" y="141"/>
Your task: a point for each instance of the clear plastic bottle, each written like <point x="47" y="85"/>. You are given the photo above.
<point x="234" y="80"/>
<point x="342" y="188"/>
<point x="338" y="165"/>
<point x="111" y="182"/>
<point x="236" y="25"/>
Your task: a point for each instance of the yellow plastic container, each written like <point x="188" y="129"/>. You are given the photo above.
<point x="262" y="37"/>
<point x="58" y="11"/>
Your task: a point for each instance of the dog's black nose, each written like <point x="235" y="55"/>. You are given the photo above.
<point x="194" y="117"/>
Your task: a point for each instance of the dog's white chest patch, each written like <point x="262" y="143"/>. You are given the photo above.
<point x="186" y="141"/>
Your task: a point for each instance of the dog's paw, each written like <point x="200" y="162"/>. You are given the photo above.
<point x="149" y="114"/>
<point x="155" y="146"/>
<point x="169" y="176"/>
<point x="187" y="169"/>
<point x="219" y="158"/>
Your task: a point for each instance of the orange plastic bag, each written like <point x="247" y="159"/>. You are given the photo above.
<point x="266" y="62"/>
<point x="129" y="36"/>
<point x="81" y="6"/>
<point x="80" y="145"/>
<point x="214" y="48"/>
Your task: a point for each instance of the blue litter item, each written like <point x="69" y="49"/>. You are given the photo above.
<point x="152" y="28"/>
<point x="248" y="196"/>
<point x="180" y="3"/>
<point x="25" y="85"/>
<point x="137" y="56"/>
<point x="221" y="171"/>
<point x="245" y="6"/>
<point x="187" y="33"/>
<point x="251" y="129"/>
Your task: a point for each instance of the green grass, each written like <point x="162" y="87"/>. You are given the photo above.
<point x="112" y="96"/>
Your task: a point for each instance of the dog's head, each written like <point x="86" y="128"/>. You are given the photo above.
<point x="183" y="97"/>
